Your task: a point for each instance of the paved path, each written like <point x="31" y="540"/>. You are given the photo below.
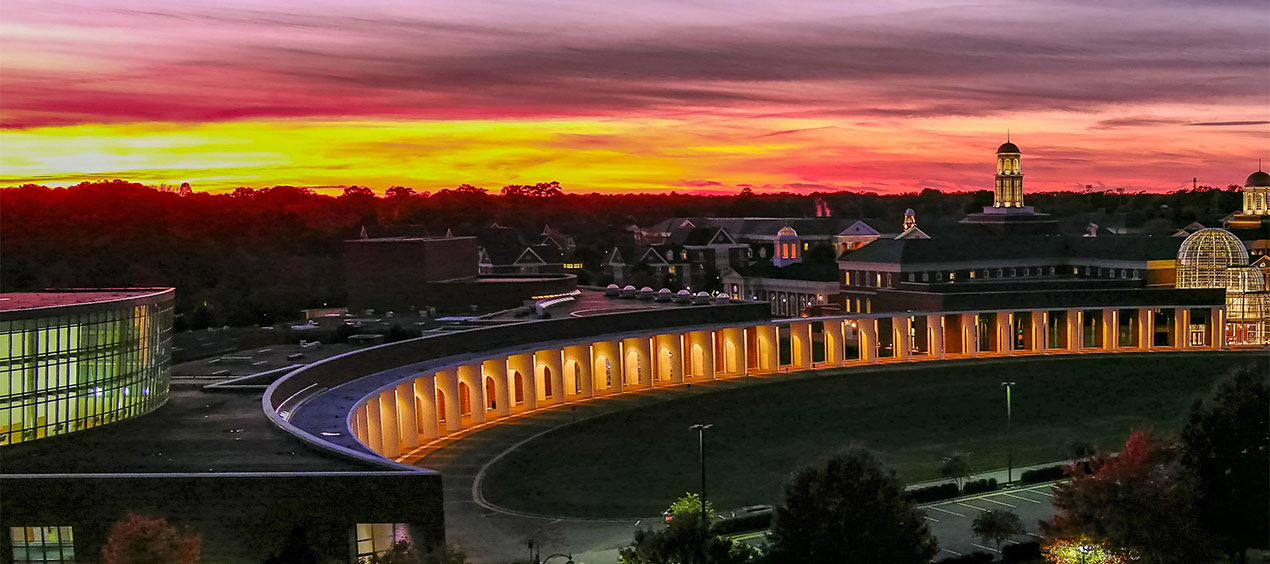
<point x="492" y="535"/>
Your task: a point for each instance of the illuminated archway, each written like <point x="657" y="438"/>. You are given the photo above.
<point x="572" y="377"/>
<point x="698" y="361"/>
<point x="665" y="365"/>
<point x="465" y="399"/>
<point x="634" y="368"/>
<point x="544" y="379"/>
<point x="729" y="356"/>
<point x="603" y="372"/>
<point x="441" y="406"/>
<point x="490" y="399"/>
<point x="518" y="383"/>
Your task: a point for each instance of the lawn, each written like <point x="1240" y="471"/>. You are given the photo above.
<point x="634" y="463"/>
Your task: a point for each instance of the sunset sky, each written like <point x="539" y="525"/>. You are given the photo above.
<point x="634" y="95"/>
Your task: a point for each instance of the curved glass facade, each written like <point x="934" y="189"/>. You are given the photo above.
<point x="66" y="369"/>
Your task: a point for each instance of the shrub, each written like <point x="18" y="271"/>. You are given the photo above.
<point x="980" y="486"/>
<point x="934" y="493"/>
<point x="1047" y="474"/>
<point x="1022" y="552"/>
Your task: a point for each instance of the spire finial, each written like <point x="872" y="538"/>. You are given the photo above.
<point x="1007" y="135"/>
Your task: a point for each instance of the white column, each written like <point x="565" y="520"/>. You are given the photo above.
<point x="970" y="334"/>
<point x="407" y="416"/>
<point x="448" y="383"/>
<point x="935" y="336"/>
<point x="470" y="374"/>
<point x="1218" y="329"/>
<point x="868" y="340"/>
<point x="1146" y="328"/>
<point x="1037" y="322"/>
<point x="901" y="338"/>
<point x="1004" y="329"/>
<point x="1075" y="340"/>
<point x="360" y="425"/>
<point x="1110" y="329"/>
<point x="1182" y="327"/>
<point x="426" y="394"/>
<point x="523" y="364"/>
<point x="389" y="423"/>
<point x="373" y="428"/>
<point x="833" y="342"/>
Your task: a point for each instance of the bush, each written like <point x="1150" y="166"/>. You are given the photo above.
<point x="980" y="486"/>
<point x="972" y="558"/>
<point x="1022" y="552"/>
<point x="1047" y="474"/>
<point x="934" y="493"/>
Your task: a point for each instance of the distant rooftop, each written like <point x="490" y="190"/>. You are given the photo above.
<point x="405" y="239"/>
<point x="22" y="301"/>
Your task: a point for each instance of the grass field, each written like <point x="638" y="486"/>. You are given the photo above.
<point x="634" y="463"/>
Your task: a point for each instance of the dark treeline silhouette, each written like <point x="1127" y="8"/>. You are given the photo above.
<point x="257" y="256"/>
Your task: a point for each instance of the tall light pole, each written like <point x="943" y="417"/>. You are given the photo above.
<point x="701" y="452"/>
<point x="1009" y="423"/>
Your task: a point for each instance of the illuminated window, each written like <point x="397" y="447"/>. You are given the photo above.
<point x="42" y="544"/>
<point x="972" y="274"/>
<point x="378" y="538"/>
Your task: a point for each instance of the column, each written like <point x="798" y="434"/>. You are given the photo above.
<point x="1110" y="329"/>
<point x="645" y="345"/>
<point x="448" y="383"/>
<point x="523" y="364"/>
<point x="373" y="428"/>
<point x="868" y="340"/>
<point x="389" y="423"/>
<point x="669" y="350"/>
<point x="470" y="374"/>
<point x="426" y="396"/>
<point x="800" y="345"/>
<point x="359" y="425"/>
<point x="902" y="339"/>
<point x="970" y="334"/>
<point x="1182" y="327"/>
<point x="1075" y="340"/>
<point x="935" y="336"/>
<point x="1037" y="323"/>
<point x="407" y="415"/>
<point x="497" y="370"/>
<point x="832" y="331"/>
<point x="1218" y="328"/>
<point x="1004" y="329"/>
<point x="1146" y="328"/>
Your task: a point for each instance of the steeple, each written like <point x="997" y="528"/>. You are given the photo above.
<point x="1009" y="180"/>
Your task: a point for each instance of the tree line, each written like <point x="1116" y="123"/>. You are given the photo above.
<point x="258" y="256"/>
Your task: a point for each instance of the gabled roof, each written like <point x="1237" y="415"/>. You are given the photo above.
<point x="913" y="232"/>
<point x="988" y="248"/>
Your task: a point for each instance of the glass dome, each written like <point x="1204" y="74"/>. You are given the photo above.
<point x="1205" y="255"/>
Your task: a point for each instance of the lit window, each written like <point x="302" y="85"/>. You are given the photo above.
<point x="42" y="544"/>
<point x="972" y="274"/>
<point x="378" y="538"/>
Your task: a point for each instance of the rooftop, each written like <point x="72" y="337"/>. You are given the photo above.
<point x="196" y="431"/>
<point x="22" y="301"/>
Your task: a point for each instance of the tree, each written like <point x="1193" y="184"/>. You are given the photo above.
<point x="358" y="191"/>
<point x="402" y="552"/>
<point x="957" y="468"/>
<point x="690" y="504"/>
<point x="137" y="539"/>
<point x="400" y="192"/>
<point x="539" y="190"/>
<point x="295" y="549"/>
<point x="1139" y="505"/>
<point x="1079" y="550"/>
<point x="469" y="189"/>
<point x="1226" y="447"/>
<point x="997" y="526"/>
<point x="685" y="541"/>
<point x="851" y="509"/>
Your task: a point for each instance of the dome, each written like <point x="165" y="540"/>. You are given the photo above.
<point x="787" y="231"/>
<point x="909" y="211"/>
<point x="1257" y="179"/>
<point x="1008" y="147"/>
<point x="1245" y="279"/>
<point x="1206" y="255"/>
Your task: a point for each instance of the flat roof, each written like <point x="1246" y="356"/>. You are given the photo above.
<point x="197" y="431"/>
<point x="22" y="301"/>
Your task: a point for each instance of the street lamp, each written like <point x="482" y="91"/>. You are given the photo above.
<point x="1009" y="446"/>
<point x="701" y="451"/>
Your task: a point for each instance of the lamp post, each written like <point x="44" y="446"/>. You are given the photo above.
<point x="1009" y="446"/>
<point x="701" y="452"/>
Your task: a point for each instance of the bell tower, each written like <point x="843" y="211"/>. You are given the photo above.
<point x="1009" y="187"/>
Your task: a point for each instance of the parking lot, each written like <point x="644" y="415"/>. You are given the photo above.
<point x="950" y="521"/>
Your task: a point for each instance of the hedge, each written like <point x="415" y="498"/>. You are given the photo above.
<point x="1047" y="474"/>
<point x="934" y="493"/>
<point x="972" y="558"/>
<point x="980" y="486"/>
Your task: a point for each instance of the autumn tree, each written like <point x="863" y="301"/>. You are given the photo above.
<point x="137" y="539"/>
<point x="686" y="540"/>
<point x="400" y="192"/>
<point x="539" y="190"/>
<point x="1226" y="447"/>
<point x="997" y="526"/>
<point x="850" y="509"/>
<point x="1139" y="504"/>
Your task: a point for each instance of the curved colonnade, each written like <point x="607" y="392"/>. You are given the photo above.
<point x="394" y="409"/>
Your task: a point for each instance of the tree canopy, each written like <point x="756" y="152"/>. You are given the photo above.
<point x="850" y="509"/>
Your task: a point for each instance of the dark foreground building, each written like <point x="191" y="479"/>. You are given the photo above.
<point x="211" y="463"/>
